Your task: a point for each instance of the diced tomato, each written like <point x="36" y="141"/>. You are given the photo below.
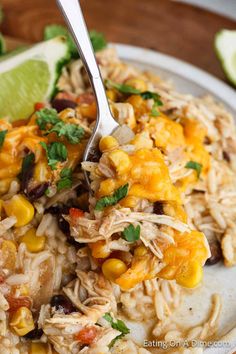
<point x="76" y="213"/>
<point x="17" y="302"/>
<point x="86" y="97"/>
<point x="38" y="106"/>
<point x="86" y="335"/>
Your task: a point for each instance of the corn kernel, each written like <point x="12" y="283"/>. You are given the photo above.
<point x="21" y="208"/>
<point x="137" y="83"/>
<point x="189" y="274"/>
<point x="99" y="249"/>
<point x="5" y="185"/>
<point x="129" y="201"/>
<point x="107" y="187"/>
<point x="136" y="101"/>
<point x="22" y="321"/>
<point x="140" y="251"/>
<point x="9" y="252"/>
<point x="33" y="243"/>
<point x="108" y="143"/>
<point x="38" y="348"/>
<point x="113" y="268"/>
<point x="120" y="160"/>
<point x="89" y="111"/>
<point x="112" y="95"/>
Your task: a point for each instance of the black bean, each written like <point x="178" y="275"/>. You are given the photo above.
<point x="62" y="303"/>
<point x="36" y="192"/>
<point x="216" y="253"/>
<point x="158" y="208"/>
<point x="63" y="225"/>
<point x="58" y="209"/>
<point x="61" y="104"/>
<point x="35" y="333"/>
<point x="226" y="156"/>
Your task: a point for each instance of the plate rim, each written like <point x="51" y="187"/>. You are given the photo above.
<point x="182" y="68"/>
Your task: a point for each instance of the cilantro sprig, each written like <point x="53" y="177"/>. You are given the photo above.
<point x="66" y="179"/>
<point x="98" y="40"/>
<point x="119" y="325"/>
<point x="146" y="95"/>
<point x="72" y="132"/>
<point x="113" y="199"/>
<point x="46" y="116"/>
<point x="56" y="152"/>
<point x="2" y="137"/>
<point x="131" y="233"/>
<point x="49" y="121"/>
<point x="194" y="166"/>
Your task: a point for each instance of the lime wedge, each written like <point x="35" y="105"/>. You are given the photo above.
<point x="29" y="77"/>
<point x="225" y="45"/>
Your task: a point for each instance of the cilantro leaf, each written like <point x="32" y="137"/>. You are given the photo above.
<point x="113" y="199"/>
<point x="27" y="162"/>
<point x="147" y="95"/>
<point x="46" y="116"/>
<point x="56" y="152"/>
<point x="154" y="111"/>
<point x="2" y="137"/>
<point x="131" y="233"/>
<point x="98" y="40"/>
<point x="66" y="179"/>
<point x="72" y="132"/>
<point x="122" y="87"/>
<point x="119" y="325"/>
<point x="194" y="166"/>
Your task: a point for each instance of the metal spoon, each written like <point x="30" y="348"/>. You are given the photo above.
<point x="105" y="124"/>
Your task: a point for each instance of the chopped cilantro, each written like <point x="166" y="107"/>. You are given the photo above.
<point x="131" y="233"/>
<point x="147" y="95"/>
<point x="119" y="325"/>
<point x="46" y="116"/>
<point x="2" y="137"/>
<point x="72" y="132"/>
<point x="122" y="87"/>
<point x="97" y="39"/>
<point x="27" y="162"/>
<point x="56" y="152"/>
<point x="194" y="166"/>
<point x="113" y="199"/>
<point x="66" y="179"/>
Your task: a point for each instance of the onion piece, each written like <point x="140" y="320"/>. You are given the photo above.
<point x="123" y="134"/>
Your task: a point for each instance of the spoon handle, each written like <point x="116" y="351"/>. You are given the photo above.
<point x="73" y="14"/>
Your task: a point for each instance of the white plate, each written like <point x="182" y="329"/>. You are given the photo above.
<point x="217" y="279"/>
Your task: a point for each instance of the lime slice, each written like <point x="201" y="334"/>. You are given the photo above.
<point x="29" y="77"/>
<point x="225" y="45"/>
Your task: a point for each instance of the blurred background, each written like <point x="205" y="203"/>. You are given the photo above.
<point x="182" y="28"/>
